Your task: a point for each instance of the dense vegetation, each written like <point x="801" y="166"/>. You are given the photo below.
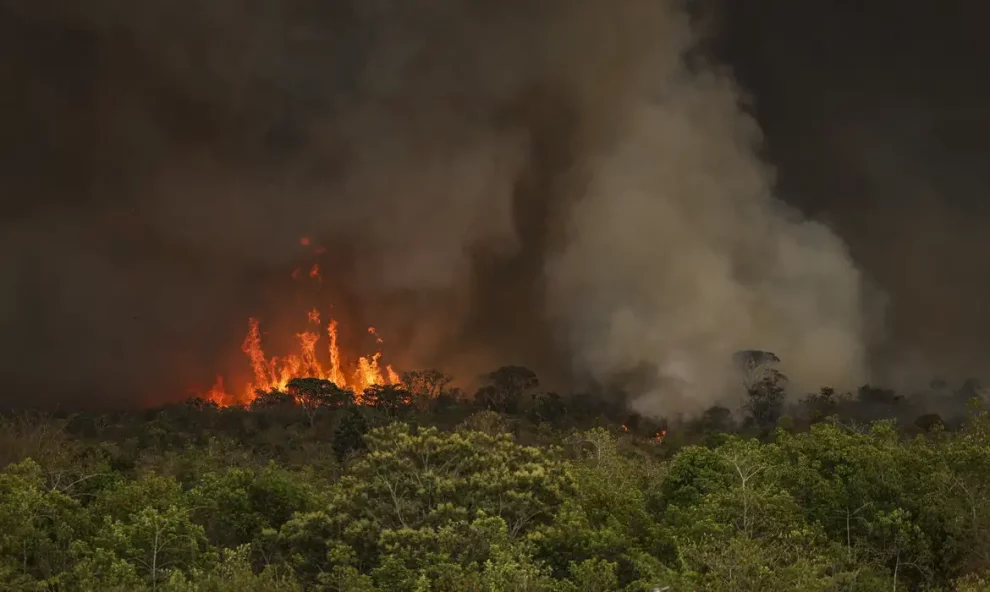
<point x="420" y="488"/>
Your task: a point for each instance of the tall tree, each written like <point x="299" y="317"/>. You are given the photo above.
<point x="503" y="389"/>
<point x="764" y="385"/>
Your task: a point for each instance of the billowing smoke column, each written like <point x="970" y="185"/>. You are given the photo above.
<point x="555" y="183"/>
<point x="585" y="139"/>
<point x="678" y="255"/>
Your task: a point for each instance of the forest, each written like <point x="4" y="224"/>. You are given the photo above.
<point x="419" y="486"/>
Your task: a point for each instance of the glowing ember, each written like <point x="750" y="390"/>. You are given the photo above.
<point x="314" y="272"/>
<point x="275" y="373"/>
<point x="304" y="241"/>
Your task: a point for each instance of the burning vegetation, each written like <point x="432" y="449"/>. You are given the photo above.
<point x="275" y="373"/>
<point x="312" y="360"/>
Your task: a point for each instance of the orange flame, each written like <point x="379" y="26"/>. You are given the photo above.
<point x="217" y="394"/>
<point x="624" y="428"/>
<point x="660" y="436"/>
<point x="275" y="373"/>
<point x="336" y="376"/>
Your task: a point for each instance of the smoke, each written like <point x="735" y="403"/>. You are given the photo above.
<point x="559" y="184"/>
<point x="875" y="114"/>
<point x="679" y="255"/>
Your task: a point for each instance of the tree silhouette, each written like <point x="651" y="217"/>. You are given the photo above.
<point x="391" y="399"/>
<point x="504" y="388"/>
<point x="313" y="394"/>
<point x="348" y="436"/>
<point x="426" y="387"/>
<point x="764" y="385"/>
<point x="271" y="399"/>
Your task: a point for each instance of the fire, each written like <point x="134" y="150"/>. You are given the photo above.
<point x="660" y="436"/>
<point x="275" y="373"/>
<point x="625" y="428"/>
<point x="217" y="394"/>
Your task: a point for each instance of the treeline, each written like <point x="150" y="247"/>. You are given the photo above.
<point x="419" y="487"/>
<point x="515" y="392"/>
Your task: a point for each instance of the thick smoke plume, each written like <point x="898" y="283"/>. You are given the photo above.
<point x="563" y="184"/>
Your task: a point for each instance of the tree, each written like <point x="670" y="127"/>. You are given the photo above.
<point x="741" y="529"/>
<point x="410" y="478"/>
<point x="548" y="408"/>
<point x="236" y="505"/>
<point x="967" y="454"/>
<point x="156" y="542"/>
<point x="820" y="405"/>
<point x="426" y="386"/>
<point x="37" y="527"/>
<point x="755" y="366"/>
<point x="879" y="498"/>
<point x="504" y="388"/>
<point x="314" y="394"/>
<point x="144" y="530"/>
<point x="391" y="399"/>
<point x="486" y="422"/>
<point x="716" y="420"/>
<point x="348" y="435"/>
<point x="764" y="385"/>
<point x="272" y="399"/>
<point x="415" y="497"/>
<point x="234" y="573"/>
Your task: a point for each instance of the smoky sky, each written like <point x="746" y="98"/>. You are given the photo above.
<point x="875" y="115"/>
<point x="582" y="187"/>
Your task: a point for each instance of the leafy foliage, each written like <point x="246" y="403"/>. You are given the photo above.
<point x="516" y="489"/>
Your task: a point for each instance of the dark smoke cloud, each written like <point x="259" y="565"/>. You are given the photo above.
<point x="565" y="185"/>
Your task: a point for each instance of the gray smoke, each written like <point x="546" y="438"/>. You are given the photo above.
<point x="559" y="184"/>
<point x="679" y="255"/>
